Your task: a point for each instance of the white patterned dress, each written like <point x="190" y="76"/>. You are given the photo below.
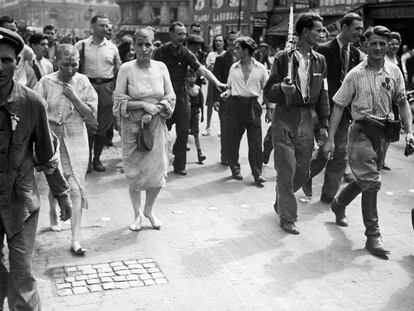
<point x="68" y="125"/>
<point x="144" y="169"/>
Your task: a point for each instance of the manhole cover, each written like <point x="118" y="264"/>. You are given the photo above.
<point x="83" y="279"/>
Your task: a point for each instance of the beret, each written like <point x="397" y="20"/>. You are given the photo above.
<point x="192" y="38"/>
<point x="12" y="38"/>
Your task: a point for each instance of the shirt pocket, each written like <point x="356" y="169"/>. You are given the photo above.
<point x="109" y="60"/>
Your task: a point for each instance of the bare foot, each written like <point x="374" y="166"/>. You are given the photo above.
<point x="137" y="225"/>
<point x="155" y="222"/>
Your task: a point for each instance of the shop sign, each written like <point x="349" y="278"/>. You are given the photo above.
<point x="260" y="22"/>
<point x="218" y="17"/>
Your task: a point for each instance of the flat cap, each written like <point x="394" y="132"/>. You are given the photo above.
<point x="192" y="38"/>
<point x="12" y="38"/>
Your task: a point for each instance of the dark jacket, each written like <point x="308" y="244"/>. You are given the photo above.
<point x="331" y="51"/>
<point x="221" y="71"/>
<point x="27" y="143"/>
<point x="318" y="95"/>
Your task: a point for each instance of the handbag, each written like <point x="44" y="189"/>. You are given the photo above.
<point x="145" y="139"/>
<point x="392" y="130"/>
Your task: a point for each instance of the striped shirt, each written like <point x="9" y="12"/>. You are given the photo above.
<point x="371" y="93"/>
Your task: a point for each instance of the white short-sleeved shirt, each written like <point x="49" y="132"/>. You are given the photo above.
<point x="371" y="93"/>
<point x="101" y="60"/>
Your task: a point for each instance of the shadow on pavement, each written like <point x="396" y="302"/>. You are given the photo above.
<point x="263" y="237"/>
<point x="403" y="299"/>
<point x="336" y="257"/>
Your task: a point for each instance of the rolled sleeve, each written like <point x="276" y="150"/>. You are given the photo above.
<point x="192" y="60"/>
<point x="400" y="95"/>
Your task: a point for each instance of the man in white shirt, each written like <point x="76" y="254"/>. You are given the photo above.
<point x="246" y="81"/>
<point x="100" y="62"/>
<point x="41" y="65"/>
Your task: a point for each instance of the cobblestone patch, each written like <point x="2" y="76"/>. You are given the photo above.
<point x="84" y="279"/>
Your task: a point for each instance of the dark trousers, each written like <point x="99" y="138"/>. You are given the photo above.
<point x="268" y="143"/>
<point x="335" y="168"/>
<point x="105" y="118"/>
<point x="18" y="283"/>
<point x="293" y="139"/>
<point x="244" y="115"/>
<point x="224" y="139"/>
<point x="181" y="117"/>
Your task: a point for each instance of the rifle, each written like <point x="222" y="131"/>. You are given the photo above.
<point x="290" y="45"/>
<point x="290" y="49"/>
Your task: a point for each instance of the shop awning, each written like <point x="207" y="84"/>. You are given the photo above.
<point x="281" y="29"/>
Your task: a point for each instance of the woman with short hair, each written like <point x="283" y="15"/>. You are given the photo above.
<point x="144" y="99"/>
<point x="71" y="101"/>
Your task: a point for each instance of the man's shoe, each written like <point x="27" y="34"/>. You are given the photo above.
<point x="200" y="157"/>
<point x="180" y="172"/>
<point x="237" y="176"/>
<point x="288" y="226"/>
<point x="259" y="180"/>
<point x="205" y="132"/>
<point x="386" y="168"/>
<point x="339" y="212"/>
<point x="375" y="246"/>
<point x="307" y="188"/>
<point x="326" y="199"/>
<point x="97" y="165"/>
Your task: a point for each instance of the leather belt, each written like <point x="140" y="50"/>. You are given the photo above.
<point x="100" y="80"/>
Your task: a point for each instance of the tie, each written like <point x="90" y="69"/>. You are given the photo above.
<point x="343" y="62"/>
<point x="36" y="71"/>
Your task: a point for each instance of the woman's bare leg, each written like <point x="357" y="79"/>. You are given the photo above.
<point x="151" y="196"/>
<point x="135" y="197"/>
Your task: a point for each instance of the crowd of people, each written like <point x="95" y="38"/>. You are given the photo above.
<point x="332" y="103"/>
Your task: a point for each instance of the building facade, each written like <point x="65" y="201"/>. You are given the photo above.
<point x="221" y="16"/>
<point x="397" y="15"/>
<point x="69" y="16"/>
<point x="157" y="14"/>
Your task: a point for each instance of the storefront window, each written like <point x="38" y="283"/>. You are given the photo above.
<point x="261" y="5"/>
<point x="216" y="4"/>
<point x="244" y="29"/>
<point x="214" y="30"/>
<point x="236" y="3"/>
<point x="199" y="5"/>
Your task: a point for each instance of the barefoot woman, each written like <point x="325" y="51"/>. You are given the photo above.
<point x="144" y="97"/>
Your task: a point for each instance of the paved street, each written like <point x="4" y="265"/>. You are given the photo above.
<point x="221" y="247"/>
